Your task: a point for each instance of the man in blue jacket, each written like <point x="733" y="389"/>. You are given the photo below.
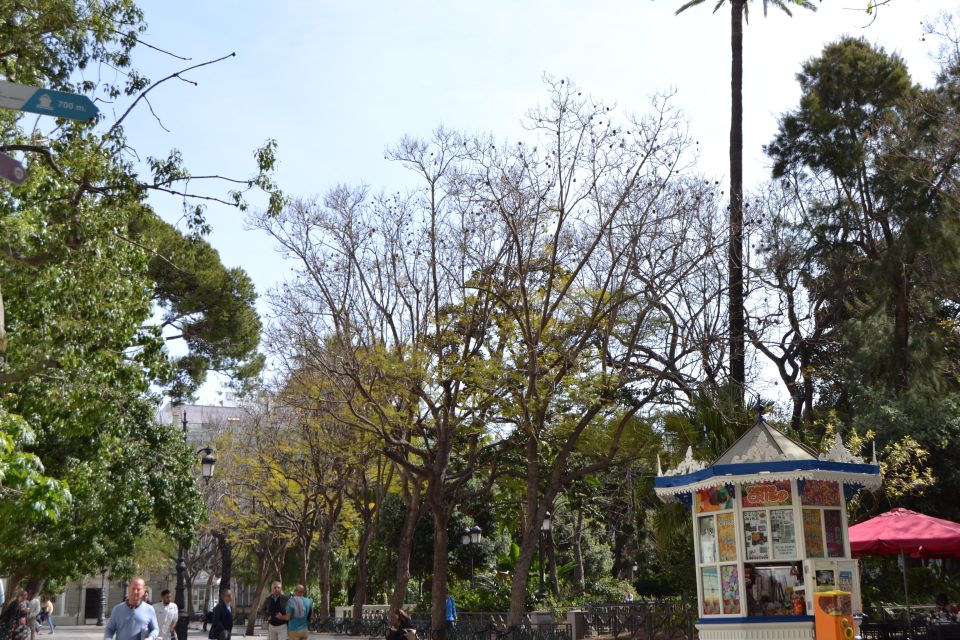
<point x="221" y="625"/>
<point x="133" y="619"/>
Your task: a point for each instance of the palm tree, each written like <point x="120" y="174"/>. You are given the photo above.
<point x="738" y="14"/>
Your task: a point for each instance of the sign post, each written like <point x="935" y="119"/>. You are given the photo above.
<point x="11" y="169"/>
<point x="46" y="102"/>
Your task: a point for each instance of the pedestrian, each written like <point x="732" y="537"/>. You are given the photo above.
<point x="221" y="624"/>
<point x="401" y="627"/>
<point x="13" y="621"/>
<point x="133" y="619"/>
<point x="275" y="608"/>
<point x="47" y="604"/>
<point x="299" y="608"/>
<point x="34" y="608"/>
<point x="451" y="613"/>
<point x="167" y="616"/>
<point x="208" y="614"/>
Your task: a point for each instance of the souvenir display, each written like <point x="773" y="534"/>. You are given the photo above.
<point x="770" y="589"/>
<point x="708" y="540"/>
<point x="755" y="539"/>
<point x="710" y="581"/>
<point x="833" y="524"/>
<point x="812" y="533"/>
<point x="714" y="499"/>
<point x="726" y="537"/>
<point x="820" y="493"/>
<point x="730" y="585"/>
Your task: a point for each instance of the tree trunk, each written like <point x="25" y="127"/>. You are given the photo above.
<point x="735" y="252"/>
<point x="360" y="594"/>
<point x="552" y="559"/>
<point x="901" y="331"/>
<point x="207" y="594"/>
<point x="226" y="562"/>
<point x="438" y="588"/>
<point x="257" y="594"/>
<point x="405" y="546"/>
<point x="324" y="576"/>
<point x="188" y="580"/>
<point x="579" y="583"/>
<point x="521" y="572"/>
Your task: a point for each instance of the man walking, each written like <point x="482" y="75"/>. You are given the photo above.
<point x="167" y="614"/>
<point x="133" y="619"/>
<point x="33" y="602"/>
<point x="221" y="624"/>
<point x="299" y="608"/>
<point x="451" y="615"/>
<point x="275" y="608"/>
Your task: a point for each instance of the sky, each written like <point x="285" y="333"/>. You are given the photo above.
<point x="335" y="82"/>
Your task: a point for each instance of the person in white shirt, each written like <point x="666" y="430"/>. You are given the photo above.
<point x="167" y="614"/>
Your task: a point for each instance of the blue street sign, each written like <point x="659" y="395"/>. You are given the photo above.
<point x="47" y="102"/>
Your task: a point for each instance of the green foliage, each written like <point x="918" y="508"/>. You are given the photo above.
<point x="208" y="305"/>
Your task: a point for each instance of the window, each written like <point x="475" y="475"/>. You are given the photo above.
<point x="717" y="543"/>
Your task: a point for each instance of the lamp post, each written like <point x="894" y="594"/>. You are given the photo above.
<point x="103" y="598"/>
<point x="471" y="540"/>
<point x="544" y="531"/>
<point x="206" y="471"/>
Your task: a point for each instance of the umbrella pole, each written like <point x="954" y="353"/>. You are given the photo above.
<point x="906" y="591"/>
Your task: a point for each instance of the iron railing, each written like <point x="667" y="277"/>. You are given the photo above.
<point x="642" y="620"/>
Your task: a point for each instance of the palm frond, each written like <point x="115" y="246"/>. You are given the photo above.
<point x="687" y="5"/>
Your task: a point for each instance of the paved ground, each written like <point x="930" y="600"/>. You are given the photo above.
<point x="92" y="632"/>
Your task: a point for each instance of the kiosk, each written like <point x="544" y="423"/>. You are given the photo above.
<point x="770" y="532"/>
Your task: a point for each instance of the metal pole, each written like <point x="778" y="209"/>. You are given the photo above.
<point x="906" y="592"/>
<point x="183" y="619"/>
<point x="470" y="549"/>
<point x="543" y="590"/>
<point x="103" y="599"/>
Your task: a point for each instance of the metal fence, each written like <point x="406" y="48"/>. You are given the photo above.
<point x="643" y="620"/>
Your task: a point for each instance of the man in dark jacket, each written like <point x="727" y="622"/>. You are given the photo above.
<point x="275" y="609"/>
<point x="221" y="626"/>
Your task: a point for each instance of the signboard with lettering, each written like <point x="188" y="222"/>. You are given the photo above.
<point x="782" y="533"/>
<point x="47" y="102"/>
<point x="766" y="494"/>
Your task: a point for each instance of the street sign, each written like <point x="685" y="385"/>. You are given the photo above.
<point x="12" y="170"/>
<point x="47" y="102"/>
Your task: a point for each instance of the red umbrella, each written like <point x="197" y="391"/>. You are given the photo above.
<point x="904" y="531"/>
<point x="901" y="531"/>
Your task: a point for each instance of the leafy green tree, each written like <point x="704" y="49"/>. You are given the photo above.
<point x="875" y="158"/>
<point x="206" y="305"/>
<point x="77" y="354"/>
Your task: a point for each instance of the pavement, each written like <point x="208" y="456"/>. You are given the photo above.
<point x="93" y="632"/>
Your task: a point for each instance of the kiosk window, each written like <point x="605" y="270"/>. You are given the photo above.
<point x="771" y="589"/>
<point x="833" y="527"/>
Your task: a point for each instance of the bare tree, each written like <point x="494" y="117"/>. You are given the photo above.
<point x="533" y="296"/>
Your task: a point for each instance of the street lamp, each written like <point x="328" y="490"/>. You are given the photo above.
<point x="471" y="540"/>
<point x="545" y="527"/>
<point x="206" y="472"/>
<point x="102" y="605"/>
